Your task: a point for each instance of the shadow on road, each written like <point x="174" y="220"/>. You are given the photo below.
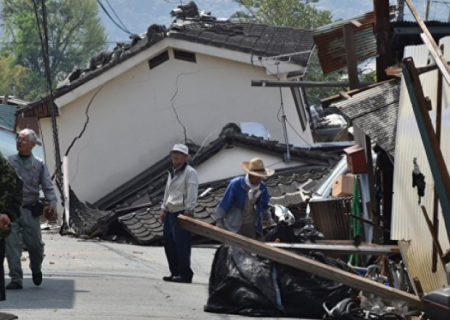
<point x="52" y="294"/>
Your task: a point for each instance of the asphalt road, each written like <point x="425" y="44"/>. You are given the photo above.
<point x="87" y="280"/>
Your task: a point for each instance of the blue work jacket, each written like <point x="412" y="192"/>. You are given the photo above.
<point x="232" y="204"/>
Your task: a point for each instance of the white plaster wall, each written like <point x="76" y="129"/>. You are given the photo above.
<point x="227" y="163"/>
<point x="132" y="123"/>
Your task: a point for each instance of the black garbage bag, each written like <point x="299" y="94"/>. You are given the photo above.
<point x="245" y="284"/>
<point x="282" y="233"/>
<point x="310" y="235"/>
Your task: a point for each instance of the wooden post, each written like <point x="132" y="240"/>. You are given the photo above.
<point x="401" y="9"/>
<point x="382" y="27"/>
<point x="435" y="197"/>
<point x="350" y="55"/>
<point x="436" y="243"/>
<point x="427" y="10"/>
<point x="296" y="261"/>
<point x="428" y="39"/>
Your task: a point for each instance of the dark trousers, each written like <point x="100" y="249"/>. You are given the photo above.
<point x="2" y="270"/>
<point x="177" y="245"/>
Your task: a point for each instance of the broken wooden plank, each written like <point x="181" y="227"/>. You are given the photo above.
<point x="434" y="237"/>
<point x="428" y="39"/>
<point x="297" y="261"/>
<point x="339" y="249"/>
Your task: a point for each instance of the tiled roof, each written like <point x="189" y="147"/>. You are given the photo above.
<point x="375" y="112"/>
<point x="145" y="186"/>
<point x="259" y="40"/>
<point x="145" y="226"/>
<point x="144" y="193"/>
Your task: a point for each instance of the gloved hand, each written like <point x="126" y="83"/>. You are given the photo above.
<point x="219" y="224"/>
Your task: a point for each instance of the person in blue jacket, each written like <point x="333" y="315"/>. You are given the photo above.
<point x="245" y="204"/>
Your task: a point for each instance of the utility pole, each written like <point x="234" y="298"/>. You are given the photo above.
<point x="427" y="10"/>
<point x="401" y="9"/>
<point x="287" y="156"/>
<point x="381" y="8"/>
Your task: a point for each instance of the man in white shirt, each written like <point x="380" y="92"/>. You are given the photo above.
<point x="180" y="197"/>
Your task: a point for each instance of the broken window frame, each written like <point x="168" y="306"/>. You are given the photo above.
<point x="300" y="106"/>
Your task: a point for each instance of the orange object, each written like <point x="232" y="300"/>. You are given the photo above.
<point x="356" y="159"/>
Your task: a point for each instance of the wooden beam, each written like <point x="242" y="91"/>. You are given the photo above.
<point x="428" y="39"/>
<point x="382" y="29"/>
<point x="341" y="249"/>
<point x="363" y="249"/>
<point x="302" y="84"/>
<point x="296" y="261"/>
<point x="350" y="56"/>
<point x="435" y="196"/>
<point x="436" y="243"/>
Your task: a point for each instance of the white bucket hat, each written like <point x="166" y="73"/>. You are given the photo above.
<point x="179" y="147"/>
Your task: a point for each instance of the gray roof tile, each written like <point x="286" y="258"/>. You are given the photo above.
<point x="375" y="112"/>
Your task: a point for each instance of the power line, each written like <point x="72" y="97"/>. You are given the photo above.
<point x="115" y="14"/>
<point x="43" y="36"/>
<point x="111" y="18"/>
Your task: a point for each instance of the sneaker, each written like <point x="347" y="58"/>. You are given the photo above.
<point x="14" y="286"/>
<point x="37" y="278"/>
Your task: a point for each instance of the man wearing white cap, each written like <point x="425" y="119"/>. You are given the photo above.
<point x="245" y="203"/>
<point x="180" y="197"/>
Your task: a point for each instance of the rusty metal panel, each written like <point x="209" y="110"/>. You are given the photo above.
<point x="332" y="217"/>
<point x="408" y="223"/>
<point x="329" y="41"/>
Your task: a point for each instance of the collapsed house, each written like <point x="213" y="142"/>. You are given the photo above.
<point x="133" y="209"/>
<point x="180" y="83"/>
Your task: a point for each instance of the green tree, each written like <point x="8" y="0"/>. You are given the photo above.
<point x="296" y="14"/>
<point x="10" y="75"/>
<point x="75" y="33"/>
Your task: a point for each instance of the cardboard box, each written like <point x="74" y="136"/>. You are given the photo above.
<point x="343" y="186"/>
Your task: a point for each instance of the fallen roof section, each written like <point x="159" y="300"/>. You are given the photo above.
<point x="145" y="227"/>
<point x="142" y="188"/>
<point x="375" y="112"/>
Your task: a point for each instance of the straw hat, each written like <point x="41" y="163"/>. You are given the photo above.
<point x="255" y="167"/>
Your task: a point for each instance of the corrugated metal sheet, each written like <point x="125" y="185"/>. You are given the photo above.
<point x="330" y="44"/>
<point x="7" y="116"/>
<point x="331" y="217"/>
<point x="408" y="223"/>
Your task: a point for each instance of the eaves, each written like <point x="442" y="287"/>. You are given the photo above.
<point x="98" y="78"/>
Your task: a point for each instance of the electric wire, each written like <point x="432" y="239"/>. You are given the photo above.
<point x="115" y="14"/>
<point x="310" y="146"/>
<point x="111" y="18"/>
<point x="43" y="36"/>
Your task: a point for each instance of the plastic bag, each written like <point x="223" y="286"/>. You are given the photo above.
<point x="246" y="284"/>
